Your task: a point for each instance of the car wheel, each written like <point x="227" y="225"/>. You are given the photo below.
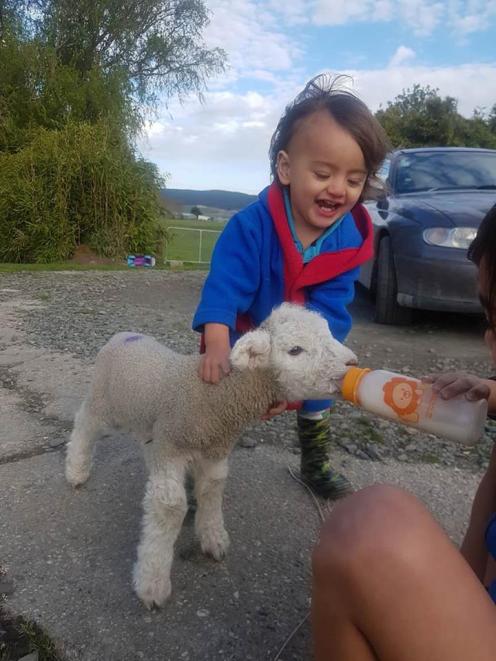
<point x="387" y="310"/>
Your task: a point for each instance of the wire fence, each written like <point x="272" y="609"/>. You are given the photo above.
<point x="190" y="244"/>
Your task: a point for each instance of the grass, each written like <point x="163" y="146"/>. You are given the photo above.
<point x="7" y="267"/>
<point x="182" y="251"/>
<point x="184" y="244"/>
<point x="70" y="266"/>
<point x="196" y="224"/>
<point x="23" y="637"/>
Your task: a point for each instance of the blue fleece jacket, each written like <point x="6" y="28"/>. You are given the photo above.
<point x="256" y="266"/>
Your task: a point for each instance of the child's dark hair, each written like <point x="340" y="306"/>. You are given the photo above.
<point x="483" y="249"/>
<point x="326" y="92"/>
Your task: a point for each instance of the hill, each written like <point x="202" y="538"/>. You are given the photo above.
<point x="218" y="199"/>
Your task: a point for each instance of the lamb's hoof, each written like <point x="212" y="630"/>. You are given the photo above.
<point x="153" y="590"/>
<point x="76" y="476"/>
<point x="215" y="543"/>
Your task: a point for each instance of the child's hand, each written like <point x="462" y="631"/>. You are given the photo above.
<point x="275" y="409"/>
<point x="452" y="384"/>
<point x="214" y="364"/>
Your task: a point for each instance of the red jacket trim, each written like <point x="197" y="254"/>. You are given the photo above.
<point x="324" y="267"/>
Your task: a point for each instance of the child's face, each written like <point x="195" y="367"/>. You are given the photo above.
<point x="325" y="170"/>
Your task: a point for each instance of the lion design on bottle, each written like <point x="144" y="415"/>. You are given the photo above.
<point x="404" y="397"/>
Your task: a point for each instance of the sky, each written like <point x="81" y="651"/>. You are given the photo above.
<point x="274" y="47"/>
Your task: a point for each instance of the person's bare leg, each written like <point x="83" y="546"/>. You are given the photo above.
<point x="388" y="584"/>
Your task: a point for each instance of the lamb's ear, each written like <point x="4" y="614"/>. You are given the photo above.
<point x="252" y="350"/>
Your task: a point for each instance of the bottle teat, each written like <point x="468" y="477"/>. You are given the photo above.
<point x="351" y="381"/>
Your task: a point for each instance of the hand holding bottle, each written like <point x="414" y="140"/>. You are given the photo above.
<point x="454" y="384"/>
<point x="419" y="404"/>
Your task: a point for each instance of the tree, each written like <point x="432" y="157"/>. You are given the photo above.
<point x="419" y="117"/>
<point x="196" y="211"/>
<point x="155" y="45"/>
<point x="77" y="78"/>
<point x="37" y="91"/>
<point x="491" y="120"/>
<point x="88" y="60"/>
<point x="10" y="16"/>
<point x="476" y="131"/>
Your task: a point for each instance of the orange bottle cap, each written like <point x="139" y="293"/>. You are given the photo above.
<point x="351" y="381"/>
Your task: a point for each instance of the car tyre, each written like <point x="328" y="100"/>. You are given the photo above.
<point x="387" y="310"/>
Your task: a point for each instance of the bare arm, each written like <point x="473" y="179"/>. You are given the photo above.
<point x="453" y="384"/>
<point x="473" y="547"/>
<point x="492" y="396"/>
<point x="214" y="363"/>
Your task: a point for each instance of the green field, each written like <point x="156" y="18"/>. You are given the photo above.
<point x="9" y="267"/>
<point x="188" y="245"/>
<point x="184" y="246"/>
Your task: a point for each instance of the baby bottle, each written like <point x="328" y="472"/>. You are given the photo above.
<point x="412" y="402"/>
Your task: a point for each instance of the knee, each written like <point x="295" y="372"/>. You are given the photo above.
<point x="210" y="478"/>
<point x="165" y="499"/>
<point x="369" y="528"/>
<point x="210" y="471"/>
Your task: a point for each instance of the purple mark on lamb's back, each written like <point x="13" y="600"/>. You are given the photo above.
<point x="133" y="338"/>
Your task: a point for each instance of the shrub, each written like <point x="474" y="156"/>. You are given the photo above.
<point x="79" y="184"/>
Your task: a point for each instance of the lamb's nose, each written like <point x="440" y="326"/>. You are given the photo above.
<point x="352" y="361"/>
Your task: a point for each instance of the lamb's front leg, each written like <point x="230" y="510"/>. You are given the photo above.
<point x="164" y="511"/>
<point x="210" y="478"/>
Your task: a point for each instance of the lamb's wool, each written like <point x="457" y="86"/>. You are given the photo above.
<point x="143" y="387"/>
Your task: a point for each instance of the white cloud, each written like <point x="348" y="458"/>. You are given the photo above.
<point x="220" y="144"/>
<point x="471" y="16"/>
<point x="224" y="143"/>
<point x="339" y="12"/>
<point x="474" y="85"/>
<point x="383" y="10"/>
<point x="402" y="55"/>
<point x="250" y="34"/>
<point x="422" y="16"/>
<point x="261" y="74"/>
<point x="294" y="12"/>
<point x="260" y="46"/>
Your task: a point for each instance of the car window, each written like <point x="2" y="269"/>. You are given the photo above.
<point x="383" y="171"/>
<point x="445" y="170"/>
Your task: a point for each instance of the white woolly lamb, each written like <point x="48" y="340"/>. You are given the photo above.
<point x="183" y="423"/>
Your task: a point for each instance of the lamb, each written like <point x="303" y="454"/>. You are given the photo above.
<point x="185" y="425"/>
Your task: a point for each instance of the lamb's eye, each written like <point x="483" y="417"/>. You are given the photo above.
<point x="295" y="351"/>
